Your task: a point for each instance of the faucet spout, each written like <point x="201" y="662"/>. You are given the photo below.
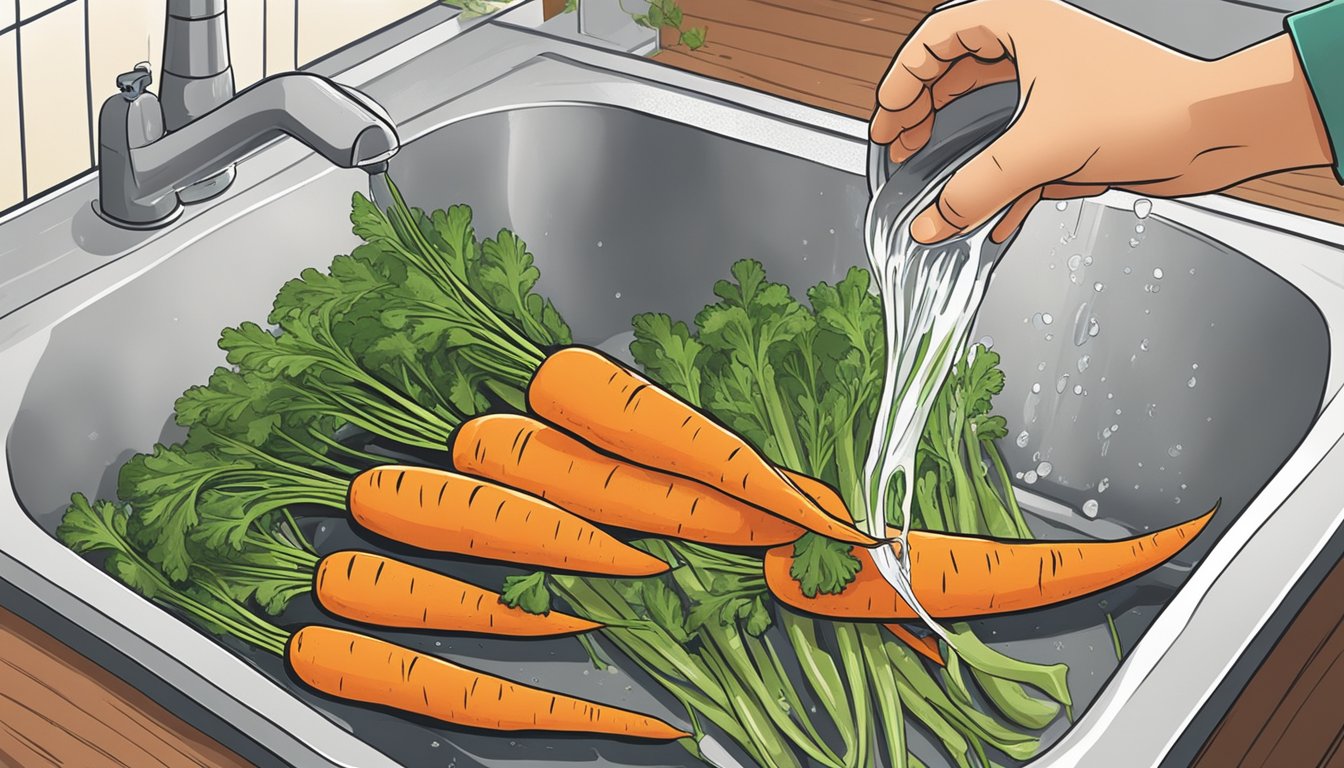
<point x="341" y="127"/>
<point x="345" y="127"/>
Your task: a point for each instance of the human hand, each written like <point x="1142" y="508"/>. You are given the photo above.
<point x="1099" y="107"/>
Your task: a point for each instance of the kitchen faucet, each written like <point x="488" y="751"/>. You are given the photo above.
<point x="156" y="153"/>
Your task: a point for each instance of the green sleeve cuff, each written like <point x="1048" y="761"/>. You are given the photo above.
<point x="1318" y="35"/>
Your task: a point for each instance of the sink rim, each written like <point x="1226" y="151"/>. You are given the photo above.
<point x="24" y="333"/>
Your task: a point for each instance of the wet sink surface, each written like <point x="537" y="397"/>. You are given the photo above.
<point x="628" y="208"/>
<point x="611" y="243"/>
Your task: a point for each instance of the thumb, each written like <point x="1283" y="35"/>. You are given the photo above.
<point x="1012" y="165"/>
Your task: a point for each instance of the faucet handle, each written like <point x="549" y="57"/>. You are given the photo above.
<point x="133" y="84"/>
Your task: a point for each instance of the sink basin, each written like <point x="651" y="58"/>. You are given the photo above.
<point x="636" y="186"/>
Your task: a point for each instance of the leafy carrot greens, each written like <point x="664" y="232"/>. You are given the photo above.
<point x="425" y="325"/>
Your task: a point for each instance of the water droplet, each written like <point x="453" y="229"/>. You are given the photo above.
<point x="1106" y="433"/>
<point x="1142" y="207"/>
<point x="434" y="744"/>
<point x="1157" y="273"/>
<point x="1077" y="389"/>
<point x="1098" y="287"/>
<point x="1047" y="318"/>
<point x="1090" y="508"/>
<point x="1174" y="450"/>
<point x="1127" y="270"/>
<point x="93" y="435"/>
<point x="1061" y="384"/>
<point x="1044" y="469"/>
<point x="1075" y="261"/>
<point x="1191" y="383"/>
<point x="1143" y="345"/>
<point x="1194" y="366"/>
<point x="1178" y="499"/>
<point x="1036" y="388"/>
<point x="1038" y="321"/>
<point x="1156" y="288"/>
<point x="1138" y="228"/>
<point x="618" y="294"/>
<point x="1103" y="485"/>
<point x="832" y="230"/>
<point x="1093" y="327"/>
<point x="1019" y="475"/>
<point x="1049" y="337"/>
<point x="987" y="342"/>
<point x="1062" y="205"/>
<point x="1083" y="362"/>
<point x="599" y="243"/>
<point x="1192" y="271"/>
<point x="1133" y="242"/>
<point x="1029" y="477"/>
<point x="1110" y="395"/>
<point x="1152" y="410"/>
<point x="1040" y="366"/>
<point x="1023" y="438"/>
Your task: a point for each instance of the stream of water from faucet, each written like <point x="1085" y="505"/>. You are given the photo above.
<point x="930" y="295"/>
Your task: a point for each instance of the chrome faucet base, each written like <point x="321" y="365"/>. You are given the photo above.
<point x="208" y="189"/>
<point x="173" y="216"/>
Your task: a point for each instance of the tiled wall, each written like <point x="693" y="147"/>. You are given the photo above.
<point x="59" y="60"/>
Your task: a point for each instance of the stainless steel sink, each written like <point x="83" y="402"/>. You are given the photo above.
<point x="636" y="186"/>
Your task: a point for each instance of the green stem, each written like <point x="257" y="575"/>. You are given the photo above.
<point x="851" y="658"/>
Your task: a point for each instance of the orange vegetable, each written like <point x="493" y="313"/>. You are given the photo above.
<point x="359" y="668"/>
<point x="373" y="589"/>
<point x="446" y="512"/>
<point x="619" y="411"/>
<point x="964" y="576"/>
<point x="527" y="454"/>
<point x="924" y="646"/>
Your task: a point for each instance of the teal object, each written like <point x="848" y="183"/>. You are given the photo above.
<point x="1318" y="35"/>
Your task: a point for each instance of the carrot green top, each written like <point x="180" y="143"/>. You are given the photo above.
<point x="1317" y="34"/>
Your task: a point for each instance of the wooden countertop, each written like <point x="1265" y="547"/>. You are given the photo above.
<point x="59" y="709"/>
<point x="832" y="53"/>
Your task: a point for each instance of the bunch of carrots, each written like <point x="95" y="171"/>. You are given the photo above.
<point x="591" y="473"/>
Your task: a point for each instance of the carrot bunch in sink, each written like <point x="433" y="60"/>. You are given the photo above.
<point x="421" y="390"/>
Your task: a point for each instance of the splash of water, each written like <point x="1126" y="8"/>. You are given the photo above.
<point x="930" y="295"/>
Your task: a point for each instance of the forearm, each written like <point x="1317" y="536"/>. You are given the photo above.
<point x="1259" y="114"/>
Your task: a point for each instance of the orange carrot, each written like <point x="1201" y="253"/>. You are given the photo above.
<point x="964" y="576"/>
<point x="619" y="411"/>
<point x="447" y="512"/>
<point x="527" y="454"/>
<point x="359" y="668"/>
<point x="830" y="501"/>
<point x="372" y="589"/>
<point x="924" y="646"/>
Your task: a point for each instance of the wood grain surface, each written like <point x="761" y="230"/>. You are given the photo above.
<point x="832" y="53"/>
<point x="59" y="709"/>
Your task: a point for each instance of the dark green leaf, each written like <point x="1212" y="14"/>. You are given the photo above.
<point x="529" y="593"/>
<point x="822" y="565"/>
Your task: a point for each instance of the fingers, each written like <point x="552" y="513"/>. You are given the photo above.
<point x="1017" y="213"/>
<point x="1006" y="170"/>
<point x="888" y="124"/>
<point x="969" y="74"/>
<point x="952" y="53"/>
<point x="911" y="140"/>
<point x="930" y="51"/>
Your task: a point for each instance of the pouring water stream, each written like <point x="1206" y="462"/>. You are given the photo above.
<point x="930" y="296"/>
